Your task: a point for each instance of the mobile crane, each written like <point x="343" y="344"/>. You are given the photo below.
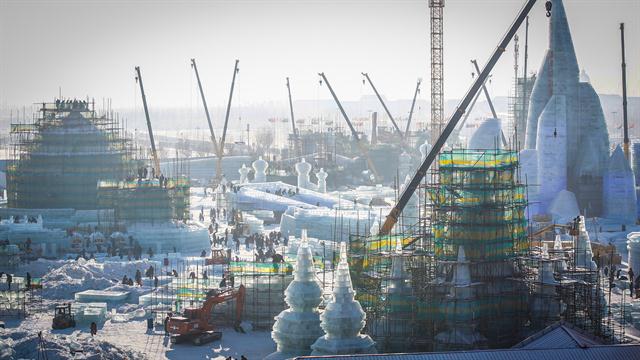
<point x="394" y="214"/>
<point x="154" y="152"/>
<point x="195" y="325"/>
<point x="296" y="136"/>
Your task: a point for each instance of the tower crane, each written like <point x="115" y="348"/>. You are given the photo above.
<point x="394" y="214"/>
<point x="354" y="133"/>
<point x="296" y="137"/>
<point x="395" y="125"/>
<point x="413" y="104"/>
<point x="154" y="152"/>
<point x="206" y="109"/>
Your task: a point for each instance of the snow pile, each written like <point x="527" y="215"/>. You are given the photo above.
<point x="25" y="345"/>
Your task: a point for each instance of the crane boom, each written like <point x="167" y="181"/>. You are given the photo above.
<point x="493" y="110"/>
<point x="226" y="123"/>
<point x="353" y="130"/>
<point x="395" y="125"/>
<point x="154" y="152"/>
<point x="206" y="108"/>
<point x="413" y="104"/>
<point x="392" y="217"/>
<point x="296" y="138"/>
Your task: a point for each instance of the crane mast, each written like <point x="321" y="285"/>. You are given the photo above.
<point x="354" y="133"/>
<point x="413" y="104"/>
<point x="394" y="214"/>
<point x="296" y="137"/>
<point x="436" y="8"/>
<point x="395" y="125"/>
<point x="154" y="152"/>
<point x="624" y="96"/>
<point x="206" y="108"/>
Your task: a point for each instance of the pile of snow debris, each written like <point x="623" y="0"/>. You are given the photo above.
<point x="25" y="345"/>
<point x="71" y="276"/>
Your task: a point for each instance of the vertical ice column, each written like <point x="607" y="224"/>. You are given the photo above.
<point x="298" y="327"/>
<point x="633" y="246"/>
<point x="343" y="318"/>
<point x="552" y="151"/>
<point x="303" y="168"/>
<point x="619" y="190"/>
<point x="244" y="171"/>
<point x="260" y="168"/>
<point x="322" y="180"/>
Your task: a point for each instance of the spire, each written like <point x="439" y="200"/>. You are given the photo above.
<point x="561" y="47"/>
<point x="618" y="162"/>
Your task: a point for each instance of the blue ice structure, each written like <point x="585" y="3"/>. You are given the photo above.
<point x="619" y="190"/>
<point x="566" y="124"/>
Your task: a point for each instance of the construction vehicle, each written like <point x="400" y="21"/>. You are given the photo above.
<point x="218" y="257"/>
<point x="62" y="317"/>
<point x="407" y="193"/>
<point x="154" y="152"/>
<point x="195" y="325"/>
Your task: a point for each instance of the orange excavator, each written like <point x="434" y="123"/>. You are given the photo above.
<point x="196" y="324"/>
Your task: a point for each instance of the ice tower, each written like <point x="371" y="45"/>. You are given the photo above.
<point x="260" y="168"/>
<point x="620" y="190"/>
<point x="322" y="180"/>
<point x="565" y="120"/>
<point x="343" y="318"/>
<point x="298" y="327"/>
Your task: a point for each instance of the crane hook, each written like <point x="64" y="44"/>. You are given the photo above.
<point x="548" y="5"/>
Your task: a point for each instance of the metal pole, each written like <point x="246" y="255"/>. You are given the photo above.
<point x="206" y="108"/>
<point x="413" y="104"/>
<point x="624" y="95"/>
<point x="154" y="153"/>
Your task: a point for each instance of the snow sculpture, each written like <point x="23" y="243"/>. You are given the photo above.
<point x="619" y="189"/>
<point x="303" y="168"/>
<point x="461" y="332"/>
<point x="322" y="180"/>
<point x="260" y="169"/>
<point x="298" y="327"/>
<point x="584" y="254"/>
<point x="343" y="318"/>
<point x="564" y="208"/>
<point x="244" y="171"/>
<point x="487" y="136"/>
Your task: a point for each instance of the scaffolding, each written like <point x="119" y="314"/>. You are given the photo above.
<point x="58" y="158"/>
<point x="413" y="297"/>
<point x="518" y="104"/>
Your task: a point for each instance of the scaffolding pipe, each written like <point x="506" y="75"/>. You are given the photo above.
<point x="394" y="214"/>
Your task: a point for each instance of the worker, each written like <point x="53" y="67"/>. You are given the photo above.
<point x="204" y="275"/>
<point x="150" y="324"/>
<point x="125" y="281"/>
<point x="94" y="328"/>
<point x="631" y="280"/>
<point x="166" y="325"/>
<point x="9" y="280"/>
<point x="155" y="281"/>
<point x="138" y="277"/>
<point x="223" y="282"/>
<point x="29" y="282"/>
<point x="203" y="253"/>
<point x="231" y="280"/>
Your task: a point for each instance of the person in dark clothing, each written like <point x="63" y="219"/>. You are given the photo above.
<point x="631" y="280"/>
<point x="29" y="281"/>
<point x="155" y="282"/>
<point x="94" y="329"/>
<point x="166" y="326"/>
<point x="138" y="277"/>
<point x="9" y="280"/>
<point x="223" y="282"/>
<point x="125" y="281"/>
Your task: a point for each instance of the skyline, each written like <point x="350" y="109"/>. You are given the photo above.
<point x="279" y="38"/>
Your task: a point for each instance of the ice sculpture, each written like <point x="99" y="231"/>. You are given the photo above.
<point x="343" y="318"/>
<point x="404" y="165"/>
<point x="244" y="171"/>
<point x="461" y="332"/>
<point x="564" y="208"/>
<point x="303" y="168"/>
<point x="260" y="168"/>
<point x="584" y="254"/>
<point x="619" y="189"/>
<point x="487" y="136"/>
<point x="322" y="180"/>
<point x="633" y="246"/>
<point x="298" y="327"/>
<point x="424" y="150"/>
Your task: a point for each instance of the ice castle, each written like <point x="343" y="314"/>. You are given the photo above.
<point x="566" y="124"/>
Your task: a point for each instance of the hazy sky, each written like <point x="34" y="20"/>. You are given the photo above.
<point x="91" y="47"/>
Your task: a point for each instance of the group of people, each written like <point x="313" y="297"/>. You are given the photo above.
<point x="284" y="192"/>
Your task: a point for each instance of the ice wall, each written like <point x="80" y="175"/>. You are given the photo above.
<point x="487" y="135"/>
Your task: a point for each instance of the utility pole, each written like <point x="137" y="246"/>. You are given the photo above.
<point x="154" y="153"/>
<point x="624" y="96"/>
<point x="437" y="69"/>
